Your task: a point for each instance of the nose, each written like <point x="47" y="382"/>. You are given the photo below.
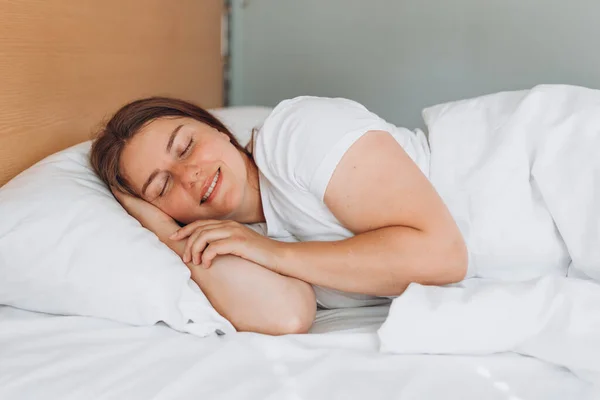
<point x="189" y="175"/>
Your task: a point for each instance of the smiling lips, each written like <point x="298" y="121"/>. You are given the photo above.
<point x="212" y="186"/>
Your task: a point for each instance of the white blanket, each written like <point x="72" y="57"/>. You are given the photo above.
<point x="72" y="358"/>
<point x="520" y="171"/>
<point x="555" y="319"/>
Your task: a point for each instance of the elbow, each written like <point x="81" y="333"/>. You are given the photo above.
<point x="300" y="313"/>
<point x="446" y="265"/>
<point x="454" y="262"/>
<point x="298" y="324"/>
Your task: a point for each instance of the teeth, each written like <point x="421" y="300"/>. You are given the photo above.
<point x="212" y="186"/>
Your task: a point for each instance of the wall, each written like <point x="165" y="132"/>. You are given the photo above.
<point x="398" y="56"/>
<point x="67" y="65"/>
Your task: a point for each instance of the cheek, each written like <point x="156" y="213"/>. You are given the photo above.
<point x="178" y="205"/>
<point x="235" y="162"/>
<point x="233" y="195"/>
<point x="208" y="151"/>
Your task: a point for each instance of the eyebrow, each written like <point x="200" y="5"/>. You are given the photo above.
<point x="172" y="138"/>
<point x="149" y="181"/>
<point x="156" y="171"/>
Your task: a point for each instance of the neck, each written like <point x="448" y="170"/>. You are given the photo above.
<point x="252" y="209"/>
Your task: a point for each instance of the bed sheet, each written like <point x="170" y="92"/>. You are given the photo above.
<point x="65" y="357"/>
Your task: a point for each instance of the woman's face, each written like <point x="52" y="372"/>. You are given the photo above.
<point x="186" y="168"/>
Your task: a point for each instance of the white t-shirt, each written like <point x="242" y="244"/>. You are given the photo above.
<point x="297" y="150"/>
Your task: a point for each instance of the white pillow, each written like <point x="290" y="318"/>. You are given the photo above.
<point x="241" y="120"/>
<point x="68" y="247"/>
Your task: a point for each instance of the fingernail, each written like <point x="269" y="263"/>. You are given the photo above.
<point x="174" y="235"/>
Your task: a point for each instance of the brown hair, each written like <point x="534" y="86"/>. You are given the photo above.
<point x="109" y="143"/>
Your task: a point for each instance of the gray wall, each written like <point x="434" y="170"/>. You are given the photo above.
<point x="398" y="56"/>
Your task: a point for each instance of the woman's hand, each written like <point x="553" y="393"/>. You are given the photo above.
<point x="207" y="239"/>
<point x="147" y="214"/>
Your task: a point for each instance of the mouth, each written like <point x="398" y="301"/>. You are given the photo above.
<point x="212" y="189"/>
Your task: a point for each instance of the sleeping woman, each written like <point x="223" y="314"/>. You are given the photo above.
<point x="349" y="215"/>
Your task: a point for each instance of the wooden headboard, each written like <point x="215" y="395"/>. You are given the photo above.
<point x="66" y="65"/>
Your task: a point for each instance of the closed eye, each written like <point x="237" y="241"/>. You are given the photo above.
<point x="164" y="188"/>
<point x="187" y="149"/>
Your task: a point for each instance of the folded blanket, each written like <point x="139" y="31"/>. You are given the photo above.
<point x="556" y="319"/>
<point x="520" y="172"/>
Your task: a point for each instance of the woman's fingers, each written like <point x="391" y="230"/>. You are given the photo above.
<point x="203" y="240"/>
<point x="117" y="193"/>
<point x="189" y="229"/>
<point x="121" y="197"/>
<point x="187" y="250"/>
<point x="219" y="247"/>
<point x="185" y="231"/>
<point x="200" y="239"/>
<point x="191" y="238"/>
<point x="204" y="235"/>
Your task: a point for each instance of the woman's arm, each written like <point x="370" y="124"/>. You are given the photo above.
<point x="255" y="299"/>
<point x="251" y="297"/>
<point x="404" y="232"/>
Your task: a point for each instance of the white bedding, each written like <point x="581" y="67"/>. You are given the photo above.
<point x="520" y="173"/>
<point x="62" y="357"/>
<point x="464" y="342"/>
<point x="553" y="319"/>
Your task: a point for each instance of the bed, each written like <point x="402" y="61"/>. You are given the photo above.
<point x="62" y="71"/>
<point x="69" y="357"/>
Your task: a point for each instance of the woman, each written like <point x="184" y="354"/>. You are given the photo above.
<point x="350" y="214"/>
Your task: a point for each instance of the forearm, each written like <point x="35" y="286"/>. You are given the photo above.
<point x="256" y="299"/>
<point x="381" y="262"/>
<point x="250" y="296"/>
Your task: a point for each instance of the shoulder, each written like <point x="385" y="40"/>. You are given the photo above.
<point x="302" y="120"/>
<point x="310" y="107"/>
<point x="306" y="133"/>
<point x="300" y="125"/>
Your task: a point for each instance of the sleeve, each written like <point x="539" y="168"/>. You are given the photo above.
<point x="304" y="139"/>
